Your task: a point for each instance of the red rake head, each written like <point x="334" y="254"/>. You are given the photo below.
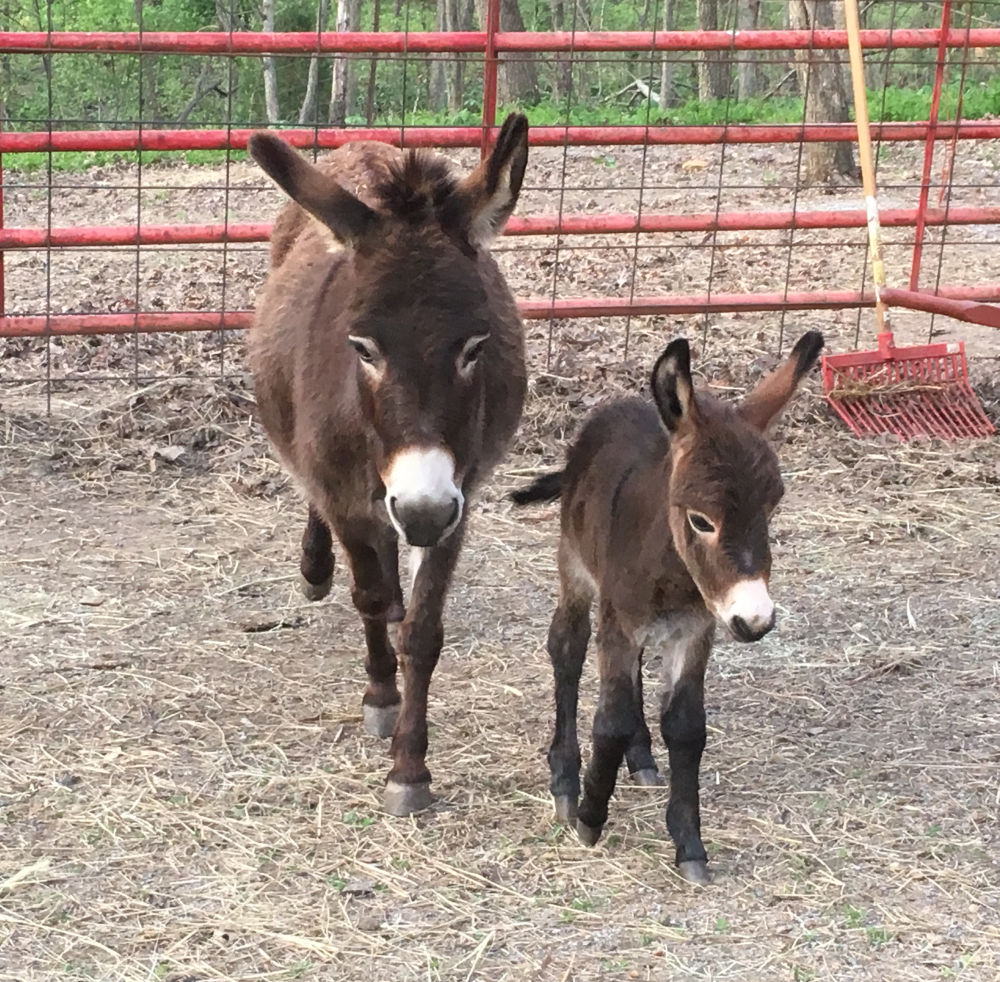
<point x="917" y="391"/>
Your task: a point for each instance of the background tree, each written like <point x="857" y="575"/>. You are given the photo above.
<point x="448" y="71"/>
<point x="344" y="84"/>
<point x="823" y="84"/>
<point x="307" y="111"/>
<point x="747" y="14"/>
<point x="518" y="80"/>
<point x="270" y="75"/>
<point x="713" y="66"/>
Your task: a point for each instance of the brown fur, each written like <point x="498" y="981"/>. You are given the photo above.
<point x="635" y="480"/>
<point x="383" y="244"/>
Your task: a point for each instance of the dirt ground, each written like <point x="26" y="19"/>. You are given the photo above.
<point x="186" y="791"/>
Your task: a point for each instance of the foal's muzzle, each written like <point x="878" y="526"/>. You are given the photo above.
<point x="747" y="610"/>
<point x="742" y="631"/>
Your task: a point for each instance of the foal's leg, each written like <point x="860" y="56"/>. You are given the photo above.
<point x="373" y="591"/>
<point x="639" y="755"/>
<point x="421" y="636"/>
<point x="316" y="564"/>
<point x="569" y="634"/>
<point x="682" y="723"/>
<point x="615" y="723"/>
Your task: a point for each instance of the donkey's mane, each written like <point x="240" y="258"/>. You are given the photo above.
<point x="415" y="186"/>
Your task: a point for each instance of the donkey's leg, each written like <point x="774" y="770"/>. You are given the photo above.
<point x="615" y="724"/>
<point x="569" y="633"/>
<point x="389" y="555"/>
<point x="682" y="724"/>
<point x="316" y="564"/>
<point x="639" y="755"/>
<point x="420" y="638"/>
<point x="373" y="593"/>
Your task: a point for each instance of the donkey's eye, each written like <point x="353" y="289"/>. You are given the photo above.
<point x="365" y="348"/>
<point x="471" y="351"/>
<point x="700" y="523"/>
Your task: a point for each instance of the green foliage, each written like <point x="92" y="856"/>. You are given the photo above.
<point x="979" y="99"/>
<point x="78" y="91"/>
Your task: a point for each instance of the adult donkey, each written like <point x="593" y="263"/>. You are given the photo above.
<point x="388" y="358"/>
<point x="665" y="520"/>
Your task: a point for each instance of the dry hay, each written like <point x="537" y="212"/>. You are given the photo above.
<point x="186" y="792"/>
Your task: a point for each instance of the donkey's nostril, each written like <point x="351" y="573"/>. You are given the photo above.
<point x="425" y="523"/>
<point x="743" y="631"/>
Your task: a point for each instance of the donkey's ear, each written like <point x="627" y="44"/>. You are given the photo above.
<point x="764" y="404"/>
<point x="486" y="198"/>
<point x="671" y="383"/>
<point x="319" y="194"/>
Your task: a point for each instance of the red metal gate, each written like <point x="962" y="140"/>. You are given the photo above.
<point x="924" y="214"/>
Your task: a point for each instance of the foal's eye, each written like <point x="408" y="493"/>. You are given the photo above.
<point x="365" y="348"/>
<point x="471" y="351"/>
<point x="700" y="523"/>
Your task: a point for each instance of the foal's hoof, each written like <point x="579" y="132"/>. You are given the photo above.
<point x="406" y="799"/>
<point x="565" y="808"/>
<point x="695" y="871"/>
<point x="648" y="777"/>
<point x="588" y="835"/>
<point x="380" y="721"/>
<point x="315" y="591"/>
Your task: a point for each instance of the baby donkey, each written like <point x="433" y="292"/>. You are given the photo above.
<point x="665" y="520"/>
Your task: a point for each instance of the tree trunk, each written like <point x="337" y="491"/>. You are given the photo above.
<point x="518" y="79"/>
<point x="713" y="66"/>
<point x="562" y="79"/>
<point x="667" y="65"/>
<point x="343" y="88"/>
<point x="271" y="106"/>
<point x="307" y="112"/>
<point x="823" y="86"/>
<point x="747" y="14"/>
<point x="149" y="105"/>
<point x="439" y="67"/>
<point x="463" y="19"/>
<point x="372" y="71"/>
<point x="337" y="115"/>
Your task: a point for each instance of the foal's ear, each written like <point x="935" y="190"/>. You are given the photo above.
<point x="763" y="406"/>
<point x="486" y="198"/>
<point x="319" y="194"/>
<point x="671" y="384"/>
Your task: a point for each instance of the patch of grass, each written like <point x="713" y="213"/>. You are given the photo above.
<point x="722" y="925"/>
<point x="578" y="905"/>
<point x="358" y="820"/>
<point x="878" y="936"/>
<point x="853" y="916"/>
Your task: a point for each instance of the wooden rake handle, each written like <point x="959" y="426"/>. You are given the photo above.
<point x="866" y="159"/>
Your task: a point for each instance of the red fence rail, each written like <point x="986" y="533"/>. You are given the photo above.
<point x="491" y="43"/>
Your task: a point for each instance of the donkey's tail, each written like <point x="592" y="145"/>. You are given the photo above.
<point x="548" y="487"/>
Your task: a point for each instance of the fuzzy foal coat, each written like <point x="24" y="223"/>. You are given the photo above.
<point x="664" y="521"/>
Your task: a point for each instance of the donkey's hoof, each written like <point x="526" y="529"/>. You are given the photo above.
<point x="648" y="777"/>
<point x="315" y="591"/>
<point x="587" y="833"/>
<point x="565" y="806"/>
<point x="380" y="721"/>
<point x="406" y="799"/>
<point x="695" y="871"/>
